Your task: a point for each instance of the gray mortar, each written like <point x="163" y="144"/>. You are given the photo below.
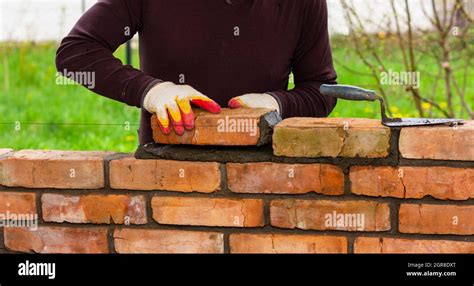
<point x="264" y="153"/>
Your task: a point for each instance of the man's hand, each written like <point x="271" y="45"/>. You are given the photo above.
<point x="255" y="100"/>
<point x="173" y="102"/>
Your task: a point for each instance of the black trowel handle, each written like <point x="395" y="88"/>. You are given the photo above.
<point x="348" y="92"/>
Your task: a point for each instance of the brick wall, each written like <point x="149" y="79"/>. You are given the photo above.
<point x="325" y="186"/>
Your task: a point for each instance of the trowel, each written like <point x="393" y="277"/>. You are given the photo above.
<point x="354" y="93"/>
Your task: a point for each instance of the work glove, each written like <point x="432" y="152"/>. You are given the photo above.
<point x="255" y="100"/>
<point x="172" y="102"/>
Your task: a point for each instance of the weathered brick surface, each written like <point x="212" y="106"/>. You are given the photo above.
<point x="283" y="243"/>
<point x="17" y="203"/>
<point x="330" y="215"/>
<point x="167" y="241"/>
<point x="232" y="127"/>
<point x="401" y="245"/>
<point x="436" y="219"/>
<point x="331" y="137"/>
<point x="5" y="151"/>
<point x="56" y="239"/>
<point x="178" y="176"/>
<point x="53" y="169"/>
<point x="208" y="211"/>
<point x="413" y="182"/>
<point x="107" y="209"/>
<point x="285" y="178"/>
<point x="439" y="143"/>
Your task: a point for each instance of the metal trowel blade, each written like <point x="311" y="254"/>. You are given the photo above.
<point x="407" y="122"/>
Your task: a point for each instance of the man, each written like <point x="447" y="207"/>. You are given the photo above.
<point x="209" y="53"/>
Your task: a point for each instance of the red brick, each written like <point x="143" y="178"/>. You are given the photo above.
<point x="251" y="127"/>
<point x="56" y="240"/>
<point x="285" y="178"/>
<point x="17" y="203"/>
<point x="436" y="219"/>
<point x="53" y="169"/>
<point x="413" y="182"/>
<point x="208" y="211"/>
<point x="319" y="215"/>
<point x="178" y="176"/>
<point x="107" y="209"/>
<point x="331" y="137"/>
<point x="401" y="245"/>
<point x="283" y="243"/>
<point x="167" y="241"/>
<point x="438" y="142"/>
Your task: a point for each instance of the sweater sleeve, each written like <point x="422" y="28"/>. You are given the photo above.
<point x="312" y="66"/>
<point x="90" y="45"/>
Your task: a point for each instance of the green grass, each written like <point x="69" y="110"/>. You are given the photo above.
<point x="29" y="95"/>
<point x="34" y="97"/>
<point x="401" y="102"/>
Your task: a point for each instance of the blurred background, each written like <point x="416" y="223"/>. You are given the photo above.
<point x="417" y="54"/>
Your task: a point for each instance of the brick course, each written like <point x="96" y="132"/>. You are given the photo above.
<point x="330" y="186"/>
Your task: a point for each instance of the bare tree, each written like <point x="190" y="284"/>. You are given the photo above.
<point x="446" y="42"/>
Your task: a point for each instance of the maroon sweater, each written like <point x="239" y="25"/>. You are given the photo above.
<point x="223" y="48"/>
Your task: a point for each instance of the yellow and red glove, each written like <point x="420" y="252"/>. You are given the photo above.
<point x="255" y="100"/>
<point x="172" y="102"/>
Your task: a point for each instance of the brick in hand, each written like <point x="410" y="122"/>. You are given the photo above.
<point x="232" y="127"/>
